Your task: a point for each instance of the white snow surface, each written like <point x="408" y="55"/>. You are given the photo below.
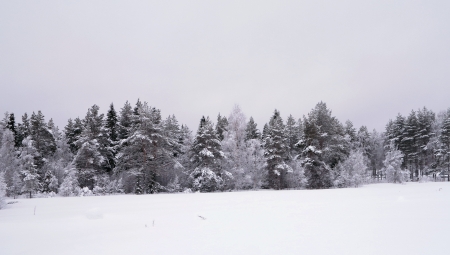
<point x="412" y="218"/>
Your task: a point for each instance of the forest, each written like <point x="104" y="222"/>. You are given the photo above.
<point x="135" y="150"/>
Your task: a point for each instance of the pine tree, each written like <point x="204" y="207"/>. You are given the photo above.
<point x="251" y="131"/>
<point x="92" y="157"/>
<point x="350" y="130"/>
<point x="275" y="152"/>
<point x="206" y="157"/>
<point x="43" y="140"/>
<point x="11" y="125"/>
<point x="146" y="152"/>
<point x="444" y="139"/>
<point x="323" y="146"/>
<point x="292" y="136"/>
<point x="125" y="121"/>
<point x="111" y="123"/>
<point x="23" y="130"/>
<point x="221" y="126"/>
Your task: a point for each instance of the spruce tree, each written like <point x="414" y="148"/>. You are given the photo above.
<point x="11" y="125"/>
<point x="292" y="135"/>
<point x="111" y="123"/>
<point x="251" y="131"/>
<point x="444" y="139"/>
<point x="125" y="121"/>
<point x="43" y="140"/>
<point x="275" y="151"/>
<point x="221" y="126"/>
<point x="206" y="157"/>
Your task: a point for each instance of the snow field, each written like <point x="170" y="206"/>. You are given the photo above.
<point x="375" y="219"/>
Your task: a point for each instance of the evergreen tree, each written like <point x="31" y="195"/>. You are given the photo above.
<point x="11" y="125"/>
<point x="275" y="152"/>
<point x="23" y="130"/>
<point x="73" y="132"/>
<point x="221" y="126"/>
<point x="146" y="152"/>
<point x="251" y="131"/>
<point x="125" y="121"/>
<point x="92" y="157"/>
<point x="292" y="136"/>
<point x="350" y="130"/>
<point x="444" y="139"/>
<point x="111" y="123"/>
<point x="43" y="140"/>
<point x="206" y="157"/>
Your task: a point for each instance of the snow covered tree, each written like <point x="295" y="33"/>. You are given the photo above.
<point x="70" y="185"/>
<point x="276" y="152"/>
<point x="23" y="130"/>
<point x="146" y="152"/>
<point x="323" y="145"/>
<point x="73" y="130"/>
<point x="221" y="126"/>
<point x="393" y="165"/>
<point x="292" y="136"/>
<point x="43" y="140"/>
<point x="111" y="123"/>
<point x="251" y="131"/>
<point x="206" y="157"/>
<point x="352" y="172"/>
<point x="28" y="169"/>
<point x="2" y="189"/>
<point x="92" y="157"/>
<point x="125" y="121"/>
<point x="444" y="140"/>
<point x="350" y="130"/>
<point x="243" y="157"/>
<point x="8" y="157"/>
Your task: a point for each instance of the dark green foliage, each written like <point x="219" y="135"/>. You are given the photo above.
<point x="221" y="126"/>
<point x="276" y="149"/>
<point x="111" y="124"/>
<point x="251" y="131"/>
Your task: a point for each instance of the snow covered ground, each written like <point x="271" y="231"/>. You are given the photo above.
<point x="376" y="219"/>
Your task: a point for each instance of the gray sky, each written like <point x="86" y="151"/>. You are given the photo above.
<point x="368" y="60"/>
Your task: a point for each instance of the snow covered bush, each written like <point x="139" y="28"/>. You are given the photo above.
<point x="85" y="192"/>
<point x="2" y="190"/>
<point x="70" y="186"/>
<point x="205" y="180"/>
<point x="174" y="186"/>
<point x="352" y="172"/>
<point x="392" y="166"/>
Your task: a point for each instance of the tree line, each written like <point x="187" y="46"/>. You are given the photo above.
<point x="135" y="150"/>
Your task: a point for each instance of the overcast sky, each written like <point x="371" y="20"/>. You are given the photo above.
<point x="368" y="60"/>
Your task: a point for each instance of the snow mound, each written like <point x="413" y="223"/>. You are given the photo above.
<point x="94" y="214"/>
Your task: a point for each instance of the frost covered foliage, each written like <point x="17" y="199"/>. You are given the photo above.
<point x="205" y="180"/>
<point x="392" y="166"/>
<point x="2" y="190"/>
<point x="70" y="185"/>
<point x="352" y="172"/>
<point x="244" y="156"/>
<point x="105" y="185"/>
